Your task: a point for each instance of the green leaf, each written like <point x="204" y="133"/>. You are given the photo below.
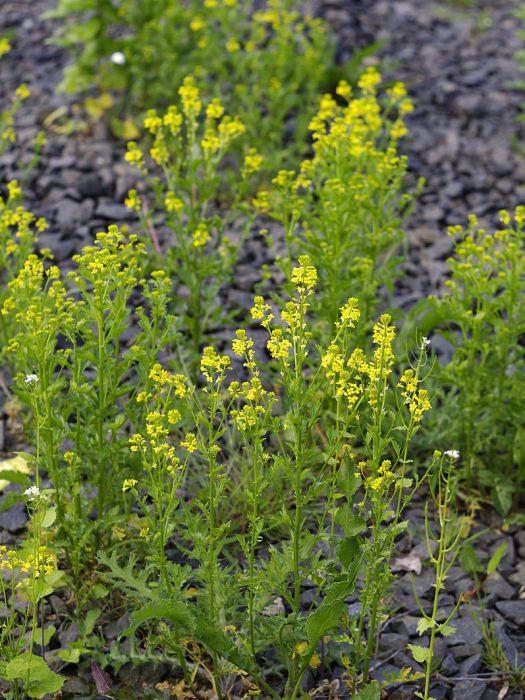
<point x="446" y="630"/>
<point x="329" y="612"/>
<point x="469" y="559"/>
<point x="420" y="654"/>
<point x="496" y="558"/>
<point x="173" y="610"/>
<point x="15" y="477"/>
<point x="424" y="624"/>
<point x="42" y="680"/>
<point x="49" y="517"/>
<point x="351" y="524"/>
<point x="348" y="549"/>
<point x="502" y="495"/>
<point x="69" y="656"/>
<point x="371" y="691"/>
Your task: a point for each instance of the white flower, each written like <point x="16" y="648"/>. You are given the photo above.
<point x="32" y="493"/>
<point x="452" y="455"/>
<point x="425" y="343"/>
<point x="118" y="58"/>
<point x="31" y="379"/>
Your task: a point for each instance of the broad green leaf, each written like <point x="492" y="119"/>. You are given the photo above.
<point x="347" y="549"/>
<point x="352" y="524"/>
<point x="447" y="630"/>
<point x="424" y="624"/>
<point x="42" y="680"/>
<point x="13" y="477"/>
<point x="496" y="558"/>
<point x="329" y="612"/>
<point x="69" y="656"/>
<point x="49" y="517"/>
<point x="420" y="654"/>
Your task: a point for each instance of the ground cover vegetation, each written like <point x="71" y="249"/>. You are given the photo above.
<point x="203" y="487"/>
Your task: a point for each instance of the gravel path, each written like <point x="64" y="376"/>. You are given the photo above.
<point x="464" y="140"/>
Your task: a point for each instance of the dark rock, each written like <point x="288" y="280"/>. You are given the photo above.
<point x="468" y="631"/>
<point x="514" y="610"/>
<point x="15" y="518"/>
<point x="114" y="212"/>
<point x="470" y="666"/>
<point x="496" y="584"/>
<point x="471" y="689"/>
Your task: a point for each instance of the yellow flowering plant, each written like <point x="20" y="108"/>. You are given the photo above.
<point x="188" y="144"/>
<point x="19" y="231"/>
<point x="28" y="574"/>
<point x="344" y="206"/>
<point x="482" y="315"/>
<point x="267" y="64"/>
<point x="73" y="371"/>
<point x="333" y="477"/>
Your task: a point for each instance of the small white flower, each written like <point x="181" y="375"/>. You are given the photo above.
<point x="452" y="455"/>
<point x="31" y="379"/>
<point x="425" y="343"/>
<point x="118" y="58"/>
<point x="32" y="493"/>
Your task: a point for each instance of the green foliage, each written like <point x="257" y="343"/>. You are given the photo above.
<point x="269" y="65"/>
<point x="181" y="166"/>
<point x="481" y="389"/>
<point x="344" y="207"/>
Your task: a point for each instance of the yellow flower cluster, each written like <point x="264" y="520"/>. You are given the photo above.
<point x="417" y="399"/>
<point x="213" y="366"/>
<point x="35" y="564"/>
<point x="383" y="478"/>
<point x="305" y="275"/>
<point x="190" y="98"/>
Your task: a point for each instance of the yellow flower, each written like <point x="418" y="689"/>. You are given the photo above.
<point x="278" y="346"/>
<point x="197" y="24"/>
<point x="133" y="201"/>
<point x="213" y="363"/>
<point x="22" y="92"/>
<point x="350" y="312"/>
<point x="128" y="484"/>
<point x="134" y="155"/>
<point x="14" y="190"/>
<point x="232" y="46"/>
<point x="369" y="80"/>
<point x="214" y="110"/>
<point x="252" y="162"/>
<point x="5" y="46"/>
<point x="190" y="97"/>
<point x="173" y="203"/>
<point x="200" y="236"/>
<point x="305" y="276"/>
<point x="190" y="443"/>
<point x="152" y="122"/>
<point x="260" y="311"/>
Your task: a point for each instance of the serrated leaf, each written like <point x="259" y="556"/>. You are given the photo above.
<point x="173" y="610"/>
<point x="424" y="624"/>
<point x="420" y="654"/>
<point x="447" y="630"/>
<point x="42" y="680"/>
<point x="496" y="558"/>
